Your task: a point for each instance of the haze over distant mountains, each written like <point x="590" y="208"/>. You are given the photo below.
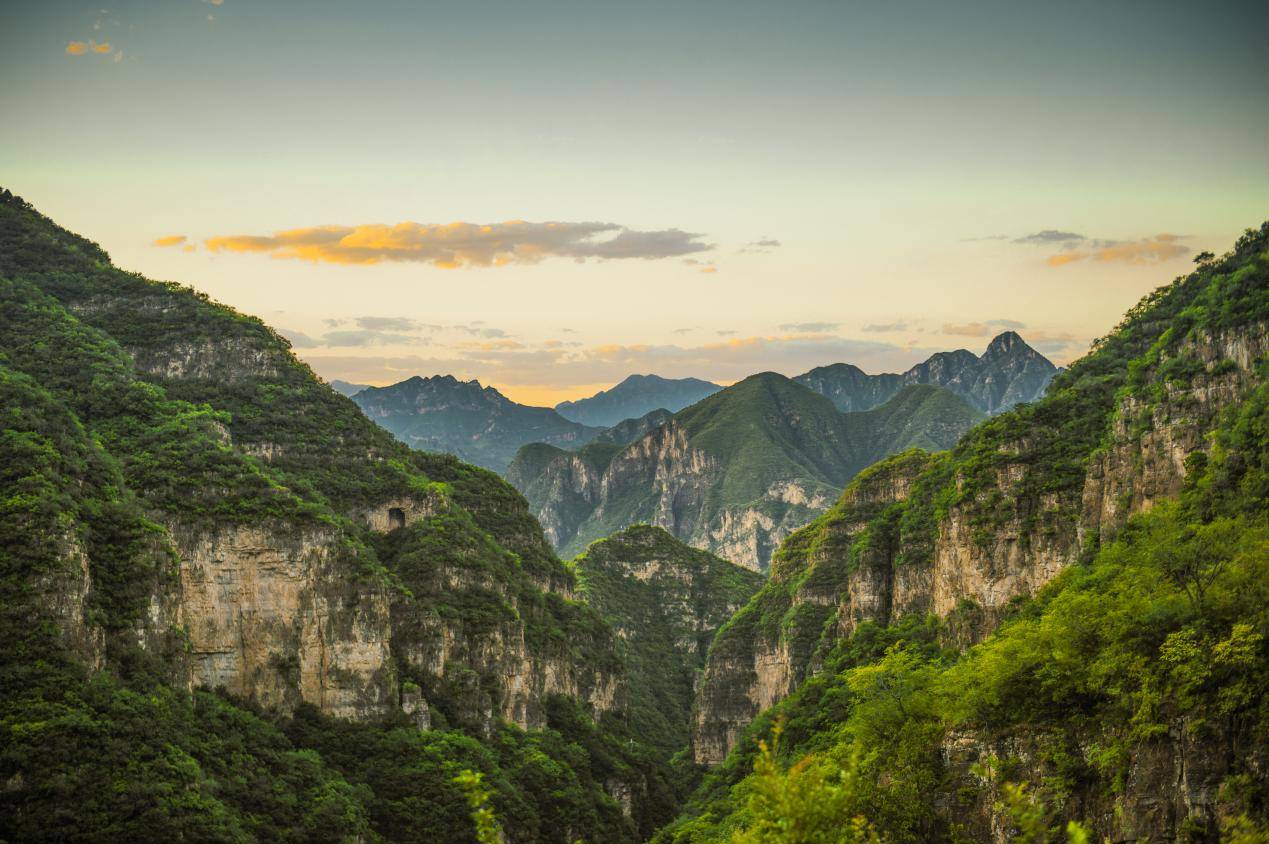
<point x="1008" y="373"/>
<point x="634" y="397"/>
<point x="347" y="388"/>
<point x="478" y="424"/>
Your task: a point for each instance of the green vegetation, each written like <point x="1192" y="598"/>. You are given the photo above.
<point x="664" y="600"/>
<point x="1098" y="673"/>
<point x="135" y="415"/>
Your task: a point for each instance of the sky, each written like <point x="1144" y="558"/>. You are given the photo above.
<point x="549" y="196"/>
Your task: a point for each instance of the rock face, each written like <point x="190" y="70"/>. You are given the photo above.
<point x="665" y="600"/>
<point x="477" y="424"/>
<point x="734" y="474"/>
<point x="635" y="397"/>
<point x="1008" y="373"/>
<point x="1166" y="781"/>
<point x="962" y="536"/>
<point x="266" y="615"/>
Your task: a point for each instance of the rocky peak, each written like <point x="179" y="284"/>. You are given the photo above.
<point x="1004" y="344"/>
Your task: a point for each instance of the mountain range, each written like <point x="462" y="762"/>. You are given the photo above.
<point x="634" y="397"/>
<point x="477" y="424"/>
<point x="1008" y="373"/>
<point x="234" y="609"/>
<point x="734" y="473"/>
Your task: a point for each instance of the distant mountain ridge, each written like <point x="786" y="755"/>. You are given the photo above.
<point x="464" y="418"/>
<point x="636" y="396"/>
<point x="734" y="473"/>
<point x="1008" y="373"/>
<point x="347" y="388"/>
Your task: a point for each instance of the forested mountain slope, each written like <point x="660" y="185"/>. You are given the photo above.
<point x="734" y="473"/>
<point x="185" y="506"/>
<point x="664" y="600"/>
<point x="1106" y="548"/>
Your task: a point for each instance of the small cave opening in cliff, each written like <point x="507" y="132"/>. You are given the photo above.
<point x="396" y="518"/>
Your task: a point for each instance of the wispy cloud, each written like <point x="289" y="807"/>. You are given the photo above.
<point x="883" y="327"/>
<point x="982" y="329"/>
<point x="810" y="326"/>
<point x="379" y="323"/>
<point x="170" y="240"/>
<point x="455" y="245"/>
<point x="369" y="337"/>
<point x="761" y="247"/>
<point x="1049" y="237"/>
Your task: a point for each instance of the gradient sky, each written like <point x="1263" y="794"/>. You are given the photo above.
<point x="783" y="184"/>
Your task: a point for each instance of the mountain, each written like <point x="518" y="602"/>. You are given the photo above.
<point x="1043" y="625"/>
<point x="477" y="424"/>
<point x="1008" y="373"/>
<point x="665" y="600"/>
<point x="734" y="473"/>
<point x="233" y="608"/>
<point x="629" y="430"/>
<point x="346" y="388"/>
<point x="634" y="397"/>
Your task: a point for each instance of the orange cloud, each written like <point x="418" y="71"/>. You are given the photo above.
<point x="79" y="48"/>
<point x="1151" y="250"/>
<point x="170" y="240"/>
<point x="453" y="245"/>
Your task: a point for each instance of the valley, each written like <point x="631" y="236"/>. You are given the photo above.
<point x="982" y="597"/>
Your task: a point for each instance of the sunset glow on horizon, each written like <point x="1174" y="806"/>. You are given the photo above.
<point x="590" y="190"/>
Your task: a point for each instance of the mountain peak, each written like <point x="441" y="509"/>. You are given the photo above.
<point x="634" y="397"/>
<point x="1006" y="343"/>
